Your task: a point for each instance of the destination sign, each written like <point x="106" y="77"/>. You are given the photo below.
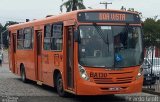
<point x="108" y="17"/>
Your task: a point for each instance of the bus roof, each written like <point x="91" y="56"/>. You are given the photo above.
<point x="61" y="17"/>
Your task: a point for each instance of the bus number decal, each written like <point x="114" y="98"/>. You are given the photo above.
<point x="98" y="75"/>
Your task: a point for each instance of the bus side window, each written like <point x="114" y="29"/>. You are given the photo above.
<point x="47" y="37"/>
<point x="20" y="38"/>
<point x="57" y="37"/>
<point x="28" y="38"/>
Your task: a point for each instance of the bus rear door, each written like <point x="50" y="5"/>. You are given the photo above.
<point x="13" y="53"/>
<point x="39" y="55"/>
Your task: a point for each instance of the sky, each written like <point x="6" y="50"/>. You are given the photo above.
<point x="19" y="10"/>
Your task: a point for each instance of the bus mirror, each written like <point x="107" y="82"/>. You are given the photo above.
<point x="76" y="36"/>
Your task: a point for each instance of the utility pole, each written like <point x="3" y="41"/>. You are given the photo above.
<point x="105" y="3"/>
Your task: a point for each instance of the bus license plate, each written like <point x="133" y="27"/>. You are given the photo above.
<point x="115" y="88"/>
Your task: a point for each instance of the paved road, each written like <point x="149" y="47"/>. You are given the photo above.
<point x="13" y="90"/>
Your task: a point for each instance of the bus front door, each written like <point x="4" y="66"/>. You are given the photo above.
<point x="39" y="55"/>
<point x="70" y="58"/>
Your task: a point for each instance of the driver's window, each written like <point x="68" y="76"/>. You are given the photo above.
<point x="132" y="37"/>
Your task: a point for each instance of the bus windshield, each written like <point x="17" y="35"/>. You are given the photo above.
<point x="110" y="46"/>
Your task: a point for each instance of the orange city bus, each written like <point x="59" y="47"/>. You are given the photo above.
<point x="84" y="52"/>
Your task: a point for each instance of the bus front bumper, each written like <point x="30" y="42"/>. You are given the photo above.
<point x="90" y="88"/>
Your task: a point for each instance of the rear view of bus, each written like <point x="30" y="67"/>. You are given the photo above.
<point x="109" y="53"/>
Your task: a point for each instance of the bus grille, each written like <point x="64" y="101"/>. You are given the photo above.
<point x="113" y="80"/>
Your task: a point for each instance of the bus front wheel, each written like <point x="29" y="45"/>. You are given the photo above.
<point x="59" y="86"/>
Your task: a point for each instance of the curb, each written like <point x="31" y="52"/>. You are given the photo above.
<point x="150" y="91"/>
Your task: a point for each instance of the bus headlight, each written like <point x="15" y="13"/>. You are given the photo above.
<point x="83" y="73"/>
<point x="140" y="73"/>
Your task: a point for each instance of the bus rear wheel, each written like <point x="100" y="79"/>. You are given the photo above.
<point x="59" y="86"/>
<point x="23" y="74"/>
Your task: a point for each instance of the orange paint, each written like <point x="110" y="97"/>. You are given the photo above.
<point x="40" y="66"/>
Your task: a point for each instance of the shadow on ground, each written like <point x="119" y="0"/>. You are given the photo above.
<point x="69" y="98"/>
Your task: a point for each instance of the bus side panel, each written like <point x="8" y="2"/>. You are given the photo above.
<point x="51" y="61"/>
<point x="47" y="72"/>
<point x="26" y="57"/>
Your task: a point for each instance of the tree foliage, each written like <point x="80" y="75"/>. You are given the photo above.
<point x="5" y="32"/>
<point x="151" y="32"/>
<point x="1" y="26"/>
<point x="72" y="5"/>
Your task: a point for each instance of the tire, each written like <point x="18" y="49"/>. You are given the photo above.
<point x="59" y="86"/>
<point x="23" y="74"/>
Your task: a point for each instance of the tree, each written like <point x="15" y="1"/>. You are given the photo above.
<point x="5" y="34"/>
<point x="72" y="5"/>
<point x="151" y="32"/>
<point x="1" y="26"/>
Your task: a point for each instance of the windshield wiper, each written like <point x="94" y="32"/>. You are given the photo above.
<point x="101" y="34"/>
